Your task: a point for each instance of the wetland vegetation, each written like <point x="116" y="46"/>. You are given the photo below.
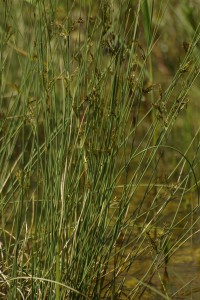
<point x="99" y="149"/>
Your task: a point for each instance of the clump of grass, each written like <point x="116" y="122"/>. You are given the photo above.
<point x="81" y="145"/>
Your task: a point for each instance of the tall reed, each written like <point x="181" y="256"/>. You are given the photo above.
<point x="83" y="136"/>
